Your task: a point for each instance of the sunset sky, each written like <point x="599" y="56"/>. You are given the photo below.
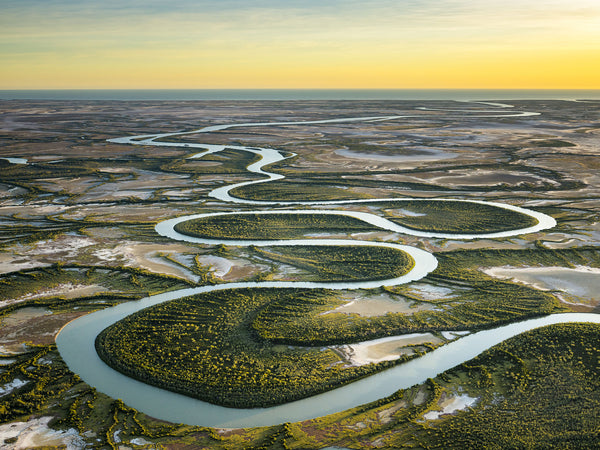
<point x="299" y="44"/>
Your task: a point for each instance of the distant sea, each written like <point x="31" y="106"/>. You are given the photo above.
<point x="300" y="94"/>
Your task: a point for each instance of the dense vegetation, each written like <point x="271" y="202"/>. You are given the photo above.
<point x="228" y="161"/>
<point x="121" y="284"/>
<point x="296" y="190"/>
<point x="422" y="215"/>
<point x="37" y="376"/>
<point x="540" y="389"/>
<point x="248" y="330"/>
<point x="537" y="390"/>
<point x="299" y="321"/>
<point x="342" y="263"/>
<point x="455" y="217"/>
<point x="477" y="300"/>
<point x="271" y="226"/>
<point x="465" y="264"/>
<point x="338" y="184"/>
<point x="431" y="215"/>
<point x="49" y="388"/>
<point x="204" y="346"/>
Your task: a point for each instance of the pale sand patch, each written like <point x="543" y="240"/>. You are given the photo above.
<point x="420" y="156"/>
<point x="114" y="170"/>
<point x="66" y="290"/>
<point x="23" y="314"/>
<point x="105" y="233"/>
<point x="65" y="247"/>
<point x="144" y="195"/>
<point x="400" y="212"/>
<point x="9" y="387"/>
<point x="7" y="191"/>
<point x="421" y="397"/>
<point x="13" y="263"/>
<point x="325" y="235"/>
<point x="140" y="441"/>
<point x="36" y="433"/>
<point x="427" y="291"/>
<point x="146" y="256"/>
<point x="567" y="243"/>
<point x="285" y="272"/>
<point x="62" y="244"/>
<point x="488" y="178"/>
<point x="384" y="349"/>
<point x="451" y="335"/>
<point x="451" y="245"/>
<point x="69" y="290"/>
<point x="176" y="268"/>
<point x="37" y="326"/>
<point x="218" y="266"/>
<point x="376" y="236"/>
<point x="13" y="350"/>
<point x="378" y="306"/>
<point x="243" y="270"/>
<point x="386" y="416"/>
<point x="451" y="404"/>
<point x="581" y="283"/>
<point x="118" y="213"/>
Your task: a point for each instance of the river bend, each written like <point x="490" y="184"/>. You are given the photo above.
<point x="76" y="341"/>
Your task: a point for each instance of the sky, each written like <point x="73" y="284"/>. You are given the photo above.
<point x="234" y="44"/>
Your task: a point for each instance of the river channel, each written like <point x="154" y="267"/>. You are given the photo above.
<point x="76" y="340"/>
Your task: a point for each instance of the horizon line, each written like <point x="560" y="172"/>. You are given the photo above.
<point x="296" y="89"/>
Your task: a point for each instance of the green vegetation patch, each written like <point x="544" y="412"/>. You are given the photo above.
<point x="204" y="346"/>
<point x="68" y="168"/>
<point x="551" y="143"/>
<point x="463" y="266"/>
<point x="36" y="287"/>
<point x="540" y="389"/>
<point x="297" y="190"/>
<point x="226" y="162"/>
<point x="300" y="321"/>
<point x="48" y="388"/>
<point x="40" y="378"/>
<point x="478" y="301"/>
<point x="343" y="263"/>
<point x="271" y="226"/>
<point x="422" y="215"/>
<point x="454" y="216"/>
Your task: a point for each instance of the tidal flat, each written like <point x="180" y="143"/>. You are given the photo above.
<point x="80" y="200"/>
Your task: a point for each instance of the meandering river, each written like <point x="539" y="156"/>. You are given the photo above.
<point x="76" y="340"/>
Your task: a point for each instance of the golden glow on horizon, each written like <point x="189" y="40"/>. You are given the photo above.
<point x="352" y="49"/>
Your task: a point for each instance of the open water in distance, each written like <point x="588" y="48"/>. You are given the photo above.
<point x="301" y="94"/>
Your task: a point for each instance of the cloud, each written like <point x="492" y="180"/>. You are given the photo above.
<point x="234" y="34"/>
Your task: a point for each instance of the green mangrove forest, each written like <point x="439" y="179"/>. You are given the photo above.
<point x="271" y="226"/>
<point x="205" y="347"/>
<point x="342" y="263"/>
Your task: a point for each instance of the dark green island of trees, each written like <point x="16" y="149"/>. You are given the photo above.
<point x="420" y="215"/>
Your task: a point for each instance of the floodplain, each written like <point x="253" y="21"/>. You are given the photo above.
<point x="78" y="211"/>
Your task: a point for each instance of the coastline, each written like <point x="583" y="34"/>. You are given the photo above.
<point x="299" y="94"/>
